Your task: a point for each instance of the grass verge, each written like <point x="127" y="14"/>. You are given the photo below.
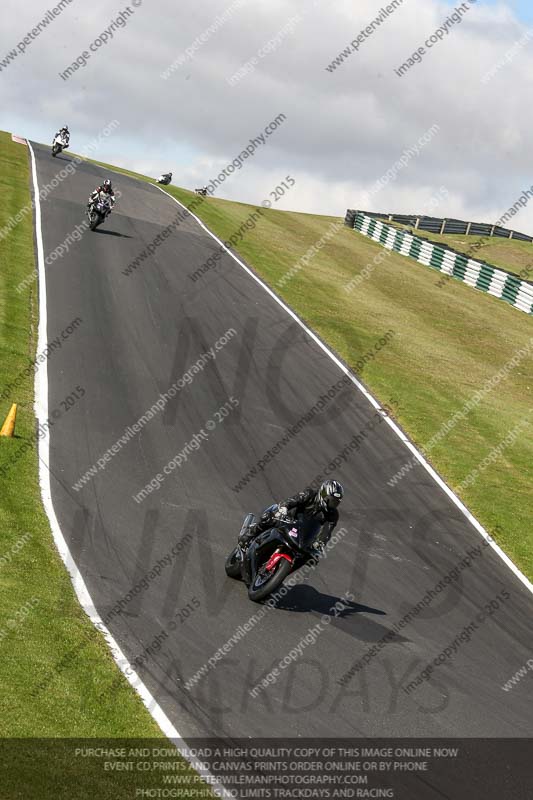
<point x="55" y="667"/>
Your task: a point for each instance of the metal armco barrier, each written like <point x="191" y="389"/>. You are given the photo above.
<point x="439" y="225"/>
<point x="477" y="274"/>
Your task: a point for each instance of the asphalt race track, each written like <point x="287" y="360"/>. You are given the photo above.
<point x="140" y="333"/>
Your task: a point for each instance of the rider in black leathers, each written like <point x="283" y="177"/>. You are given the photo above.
<point x="320" y="504"/>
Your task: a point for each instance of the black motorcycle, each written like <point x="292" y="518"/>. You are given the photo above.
<point x="201" y="192"/>
<point x="271" y="556"/>
<point x="98" y="210"/>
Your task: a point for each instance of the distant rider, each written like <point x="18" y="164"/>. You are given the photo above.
<point x="165" y="178"/>
<point x="64" y="135"/>
<point x="320" y="505"/>
<point x="107" y="189"/>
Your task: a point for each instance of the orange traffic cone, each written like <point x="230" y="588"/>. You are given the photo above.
<point x="8" y="428"/>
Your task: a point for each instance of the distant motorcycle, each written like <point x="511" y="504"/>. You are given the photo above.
<point x="268" y="559"/>
<point x="202" y="192"/>
<point x="98" y="210"/>
<point x="59" y="144"/>
<point x="165" y="178"/>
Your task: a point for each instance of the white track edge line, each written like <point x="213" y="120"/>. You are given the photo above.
<point x="436" y="477"/>
<point x="82" y="593"/>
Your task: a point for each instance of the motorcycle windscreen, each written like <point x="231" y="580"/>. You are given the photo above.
<point x="308" y="530"/>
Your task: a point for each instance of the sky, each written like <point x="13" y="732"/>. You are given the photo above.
<point x="521" y="8"/>
<point x="449" y="136"/>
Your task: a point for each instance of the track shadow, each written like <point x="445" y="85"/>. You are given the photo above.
<point x="112" y="233"/>
<point x="306" y="598"/>
<point x="348" y="619"/>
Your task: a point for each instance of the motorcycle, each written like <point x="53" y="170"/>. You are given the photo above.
<point x="59" y="144"/>
<point x="201" y="192"/>
<point x="265" y="562"/>
<point x="98" y="210"/>
<point x="165" y="179"/>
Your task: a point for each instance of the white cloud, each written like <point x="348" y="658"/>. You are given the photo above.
<point x="344" y="129"/>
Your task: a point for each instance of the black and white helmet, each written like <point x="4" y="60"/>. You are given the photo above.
<point x="107" y="186"/>
<point x="329" y="495"/>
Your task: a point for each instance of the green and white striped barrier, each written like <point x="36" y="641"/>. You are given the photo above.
<point x="477" y="274"/>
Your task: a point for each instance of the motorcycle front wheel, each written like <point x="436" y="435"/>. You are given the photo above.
<point x="267" y="582"/>
<point x="233" y="564"/>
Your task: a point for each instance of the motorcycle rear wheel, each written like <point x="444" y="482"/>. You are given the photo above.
<point x="261" y="588"/>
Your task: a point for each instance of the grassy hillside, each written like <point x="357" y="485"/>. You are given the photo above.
<point x="448" y="342"/>
<point x="45" y="638"/>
